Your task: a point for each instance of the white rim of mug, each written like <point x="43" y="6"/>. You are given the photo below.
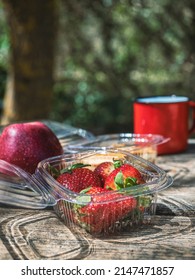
<point x="162" y="99"/>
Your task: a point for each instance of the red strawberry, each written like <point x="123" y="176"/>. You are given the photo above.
<point x="78" y="178"/>
<point x="123" y="177"/>
<point x="104" y="209"/>
<point x="105" y="168"/>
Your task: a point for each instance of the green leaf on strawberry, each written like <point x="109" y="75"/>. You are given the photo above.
<point x="119" y="180"/>
<point x="84" y="199"/>
<point x="69" y="169"/>
<point x="122" y="182"/>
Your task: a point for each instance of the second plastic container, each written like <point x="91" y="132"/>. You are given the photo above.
<point x="144" y="145"/>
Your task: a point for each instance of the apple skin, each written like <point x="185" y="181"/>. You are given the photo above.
<point x="26" y="144"/>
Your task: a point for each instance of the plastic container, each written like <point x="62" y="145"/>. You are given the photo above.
<point x="99" y="213"/>
<point x="143" y="145"/>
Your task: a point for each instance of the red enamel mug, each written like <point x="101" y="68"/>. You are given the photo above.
<point x="168" y="116"/>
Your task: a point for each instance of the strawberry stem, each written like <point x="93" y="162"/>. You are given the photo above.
<point x="117" y="163"/>
<point x="53" y="171"/>
<point x="73" y="167"/>
<point x="130" y="181"/>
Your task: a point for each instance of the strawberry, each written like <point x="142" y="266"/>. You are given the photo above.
<point x="105" y="168"/>
<point x="123" y="177"/>
<point x="78" y="177"/>
<point x="104" y="209"/>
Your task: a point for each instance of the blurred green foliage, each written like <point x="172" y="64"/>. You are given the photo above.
<point x="4" y="49"/>
<point x="109" y="52"/>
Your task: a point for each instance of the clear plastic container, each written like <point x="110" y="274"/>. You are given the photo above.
<point x="143" y="145"/>
<point x="99" y="213"/>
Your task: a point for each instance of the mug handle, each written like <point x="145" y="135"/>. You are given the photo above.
<point x="192" y="105"/>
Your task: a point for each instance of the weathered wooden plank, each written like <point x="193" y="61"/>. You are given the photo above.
<point x="41" y="235"/>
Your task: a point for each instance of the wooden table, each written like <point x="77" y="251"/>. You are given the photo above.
<point x="39" y="234"/>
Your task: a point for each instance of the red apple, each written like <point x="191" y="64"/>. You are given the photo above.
<point x="26" y="144"/>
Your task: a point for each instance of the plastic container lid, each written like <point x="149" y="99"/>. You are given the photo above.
<point x="18" y="188"/>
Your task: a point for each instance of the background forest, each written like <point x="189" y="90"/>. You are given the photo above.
<point x="108" y="52"/>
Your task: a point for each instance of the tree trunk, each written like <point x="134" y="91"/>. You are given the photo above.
<point x="32" y="27"/>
